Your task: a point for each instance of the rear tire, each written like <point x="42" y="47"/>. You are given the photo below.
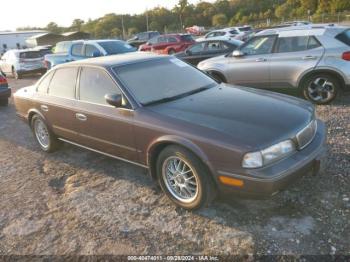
<point x="4" y="102"/>
<point x="47" y="140"/>
<point x="321" y="89"/>
<point x="184" y="178"/>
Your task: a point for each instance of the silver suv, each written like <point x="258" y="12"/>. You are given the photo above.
<point x="315" y="59"/>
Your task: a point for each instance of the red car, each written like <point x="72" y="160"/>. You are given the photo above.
<point x="168" y="44"/>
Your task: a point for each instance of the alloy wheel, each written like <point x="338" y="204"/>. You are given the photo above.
<point x="321" y="90"/>
<point x="42" y="133"/>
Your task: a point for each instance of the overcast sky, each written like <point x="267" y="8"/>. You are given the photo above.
<point x="19" y="13"/>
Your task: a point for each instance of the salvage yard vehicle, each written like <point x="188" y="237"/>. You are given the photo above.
<point x="5" y="91"/>
<point x="142" y="38"/>
<point x="22" y="62"/>
<point x="68" y="51"/>
<point x="208" y="49"/>
<point x="197" y="137"/>
<point x="312" y="59"/>
<point x="168" y="44"/>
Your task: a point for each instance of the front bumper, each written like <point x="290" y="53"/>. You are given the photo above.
<point x="5" y="93"/>
<point x="267" y="181"/>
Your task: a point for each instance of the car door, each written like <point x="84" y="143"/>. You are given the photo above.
<point x="59" y="105"/>
<point x="251" y="68"/>
<point x="161" y="44"/>
<point x="103" y="127"/>
<point x="292" y="57"/>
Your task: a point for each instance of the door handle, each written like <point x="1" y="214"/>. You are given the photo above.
<point x="309" y="57"/>
<point x="80" y="117"/>
<point x="261" y="59"/>
<point x="44" y="108"/>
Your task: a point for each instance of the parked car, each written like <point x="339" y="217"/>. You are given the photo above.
<point x="314" y="60"/>
<point x="44" y="50"/>
<point x="238" y="33"/>
<point x="68" y="51"/>
<point x="142" y="38"/>
<point x="208" y="49"/>
<point x="22" y="62"/>
<point x="196" y="137"/>
<point x="5" y="91"/>
<point x="168" y="44"/>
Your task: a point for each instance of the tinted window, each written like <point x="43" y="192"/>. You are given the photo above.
<point x="292" y="44"/>
<point x="77" y="49"/>
<point x="178" y="78"/>
<point x="245" y="29"/>
<point x="161" y="39"/>
<point x="172" y="39"/>
<point x="95" y="84"/>
<point x="30" y="55"/>
<point x="259" y="45"/>
<point x="220" y="33"/>
<point x="90" y="50"/>
<point x="344" y="37"/>
<point x="116" y="47"/>
<point x="142" y="36"/>
<point x="187" y="38"/>
<point x="44" y="84"/>
<point x="233" y="32"/>
<point x="153" y="34"/>
<point x="63" y="82"/>
<point x="153" y="40"/>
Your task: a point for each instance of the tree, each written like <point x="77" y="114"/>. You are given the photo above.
<point x="219" y="20"/>
<point x="77" y="24"/>
<point x="53" y="28"/>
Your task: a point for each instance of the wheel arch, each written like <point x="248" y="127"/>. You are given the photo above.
<point x="158" y="145"/>
<point x="33" y="112"/>
<point x="213" y="72"/>
<point x="328" y="71"/>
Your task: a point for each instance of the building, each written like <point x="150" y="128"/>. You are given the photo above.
<point x="44" y="39"/>
<point x="15" y="40"/>
<point x="70" y="36"/>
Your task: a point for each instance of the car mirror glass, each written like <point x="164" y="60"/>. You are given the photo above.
<point x="115" y="100"/>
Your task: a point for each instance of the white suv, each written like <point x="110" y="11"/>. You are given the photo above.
<point x="239" y="33"/>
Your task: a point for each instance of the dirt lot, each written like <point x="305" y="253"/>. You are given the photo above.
<point x="78" y="202"/>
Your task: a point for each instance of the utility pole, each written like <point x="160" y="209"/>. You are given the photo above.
<point x="147" y="20"/>
<point x="123" y="27"/>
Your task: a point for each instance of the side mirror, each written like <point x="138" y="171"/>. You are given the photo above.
<point x="96" y="54"/>
<point x="188" y="52"/>
<point x="115" y="100"/>
<point x="237" y="53"/>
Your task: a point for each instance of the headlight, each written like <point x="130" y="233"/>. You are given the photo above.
<point x="268" y="155"/>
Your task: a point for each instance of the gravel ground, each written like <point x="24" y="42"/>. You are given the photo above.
<point x="78" y="202"/>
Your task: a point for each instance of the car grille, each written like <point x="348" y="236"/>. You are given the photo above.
<point x="306" y="135"/>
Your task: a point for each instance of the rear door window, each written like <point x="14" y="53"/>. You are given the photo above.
<point x="214" y="46"/>
<point x="95" y="84"/>
<point x="259" y="45"/>
<point x="44" y="83"/>
<point x="313" y="43"/>
<point x="90" y="50"/>
<point x="63" y="82"/>
<point x="344" y="37"/>
<point x="292" y="44"/>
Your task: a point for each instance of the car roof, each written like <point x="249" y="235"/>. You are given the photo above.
<point x="305" y="30"/>
<point x="115" y="60"/>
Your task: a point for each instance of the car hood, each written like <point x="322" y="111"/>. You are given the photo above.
<point x="250" y="118"/>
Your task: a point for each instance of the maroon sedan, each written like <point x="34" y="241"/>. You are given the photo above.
<point x="168" y="44"/>
<point x="196" y="136"/>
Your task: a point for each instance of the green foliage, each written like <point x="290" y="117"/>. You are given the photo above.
<point x="219" y="20"/>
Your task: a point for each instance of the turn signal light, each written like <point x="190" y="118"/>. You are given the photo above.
<point x="346" y="56"/>
<point x="231" y="181"/>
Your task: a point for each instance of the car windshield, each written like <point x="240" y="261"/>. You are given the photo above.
<point x="116" y="47"/>
<point x="162" y="80"/>
<point x="29" y="55"/>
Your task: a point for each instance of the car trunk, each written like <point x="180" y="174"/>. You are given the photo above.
<point x="31" y="60"/>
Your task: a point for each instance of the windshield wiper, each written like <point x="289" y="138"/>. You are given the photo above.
<point x="168" y="99"/>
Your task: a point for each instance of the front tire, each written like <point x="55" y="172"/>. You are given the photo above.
<point x="321" y="89"/>
<point x="171" y="52"/>
<point x="184" y="178"/>
<point x="47" y="141"/>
